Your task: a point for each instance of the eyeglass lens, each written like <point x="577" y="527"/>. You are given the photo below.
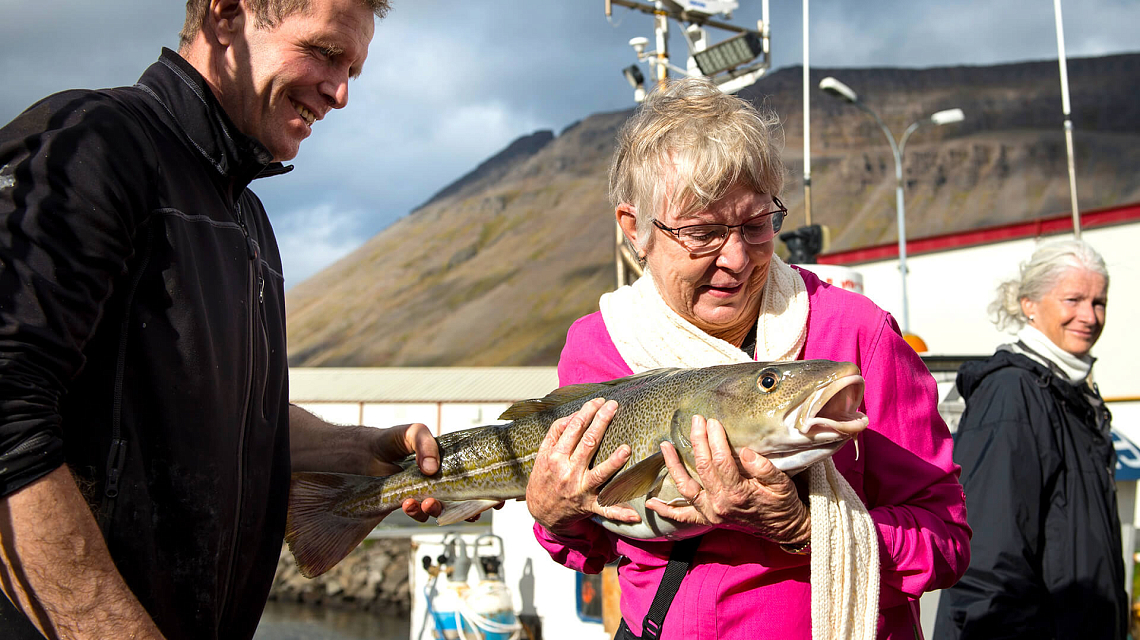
<point x="712" y="236"/>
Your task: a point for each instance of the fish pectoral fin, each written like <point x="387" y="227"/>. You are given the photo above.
<point x="459" y="511"/>
<point x="637" y="482"/>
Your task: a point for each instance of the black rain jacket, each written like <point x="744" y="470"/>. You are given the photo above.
<point x="1038" y="468"/>
<point x="142" y="341"/>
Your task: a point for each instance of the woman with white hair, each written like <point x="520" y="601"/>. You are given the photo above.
<point x="1038" y="463"/>
<point x="847" y="547"/>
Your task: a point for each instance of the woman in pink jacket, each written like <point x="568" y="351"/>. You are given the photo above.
<point x="694" y="182"/>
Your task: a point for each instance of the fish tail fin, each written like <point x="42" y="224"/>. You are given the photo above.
<point x="319" y="538"/>
<point x="458" y="511"/>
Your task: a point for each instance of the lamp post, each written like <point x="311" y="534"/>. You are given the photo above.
<point x="1068" y="120"/>
<point x="836" y="88"/>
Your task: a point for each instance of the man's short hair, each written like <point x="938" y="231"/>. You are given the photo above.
<point x="267" y="13"/>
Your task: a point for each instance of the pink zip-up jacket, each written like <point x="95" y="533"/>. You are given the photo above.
<point x="742" y="586"/>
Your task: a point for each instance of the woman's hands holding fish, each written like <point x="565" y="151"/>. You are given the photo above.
<point x="752" y="496"/>
<point x="563" y="490"/>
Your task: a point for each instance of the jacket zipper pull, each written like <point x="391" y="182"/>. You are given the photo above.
<point x="116" y="459"/>
<point x="250" y="245"/>
<point x="261" y="289"/>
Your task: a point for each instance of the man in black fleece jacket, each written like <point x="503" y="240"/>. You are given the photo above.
<point x="146" y="440"/>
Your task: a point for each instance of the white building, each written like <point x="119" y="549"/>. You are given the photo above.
<point x="954" y="277"/>
<point x="951" y="282"/>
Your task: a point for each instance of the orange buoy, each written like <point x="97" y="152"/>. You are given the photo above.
<point x="915" y="343"/>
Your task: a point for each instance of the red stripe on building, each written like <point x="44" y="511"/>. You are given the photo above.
<point x="987" y="235"/>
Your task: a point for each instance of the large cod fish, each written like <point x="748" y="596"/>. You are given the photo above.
<point x="793" y="413"/>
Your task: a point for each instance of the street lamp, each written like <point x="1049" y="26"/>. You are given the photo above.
<point x="1068" y="120"/>
<point x="836" y="88"/>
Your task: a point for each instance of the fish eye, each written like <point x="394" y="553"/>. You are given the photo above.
<point x="768" y="380"/>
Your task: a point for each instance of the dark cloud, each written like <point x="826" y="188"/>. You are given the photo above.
<point x="450" y="82"/>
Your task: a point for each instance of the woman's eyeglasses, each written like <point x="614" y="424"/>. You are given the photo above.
<point x="707" y="238"/>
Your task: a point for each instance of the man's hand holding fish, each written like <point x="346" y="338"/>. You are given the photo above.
<point x="318" y="446"/>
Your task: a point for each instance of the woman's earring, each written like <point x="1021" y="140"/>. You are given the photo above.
<point x="1031" y="318"/>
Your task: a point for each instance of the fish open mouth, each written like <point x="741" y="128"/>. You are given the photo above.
<point x="820" y="425"/>
<point x="833" y="408"/>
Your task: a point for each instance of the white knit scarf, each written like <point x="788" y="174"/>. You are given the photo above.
<point x="1075" y="368"/>
<point x="845" y="547"/>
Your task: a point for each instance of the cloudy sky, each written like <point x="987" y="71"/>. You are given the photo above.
<point x="450" y="82"/>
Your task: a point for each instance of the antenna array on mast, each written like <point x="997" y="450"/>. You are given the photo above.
<point x="732" y="64"/>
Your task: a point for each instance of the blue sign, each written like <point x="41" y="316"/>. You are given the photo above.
<point x="1127" y="457"/>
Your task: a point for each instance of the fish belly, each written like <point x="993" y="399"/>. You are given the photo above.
<point x="652" y="526"/>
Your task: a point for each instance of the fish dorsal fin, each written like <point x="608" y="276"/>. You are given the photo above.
<point x="570" y="392"/>
<point x="559" y="396"/>
<point x="634" y="483"/>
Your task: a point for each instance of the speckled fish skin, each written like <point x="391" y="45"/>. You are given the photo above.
<point x="494" y="462"/>
<point x="794" y="413"/>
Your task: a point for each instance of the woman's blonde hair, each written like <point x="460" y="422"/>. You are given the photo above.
<point x="687" y="146"/>
<point x="1039" y="275"/>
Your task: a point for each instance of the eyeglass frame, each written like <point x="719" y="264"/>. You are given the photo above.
<point x="777" y="225"/>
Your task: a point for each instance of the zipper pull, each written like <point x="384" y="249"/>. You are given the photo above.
<point x="116" y="459"/>
<point x="250" y="245"/>
<point x="260" y="289"/>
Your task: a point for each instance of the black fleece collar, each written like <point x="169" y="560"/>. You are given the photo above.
<point x="196" y="112"/>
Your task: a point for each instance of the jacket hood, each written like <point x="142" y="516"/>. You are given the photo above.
<point x="971" y="374"/>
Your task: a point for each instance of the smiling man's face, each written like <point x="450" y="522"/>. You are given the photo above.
<point x="283" y="79"/>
